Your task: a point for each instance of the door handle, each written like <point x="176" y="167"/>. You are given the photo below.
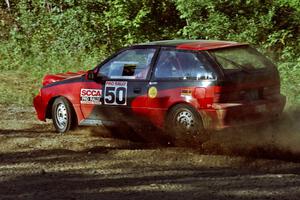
<point x="137" y="90"/>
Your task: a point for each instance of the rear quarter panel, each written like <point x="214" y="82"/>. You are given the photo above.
<point x="198" y="94"/>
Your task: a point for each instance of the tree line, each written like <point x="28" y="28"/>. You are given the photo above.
<point x="71" y="26"/>
<point x="56" y="35"/>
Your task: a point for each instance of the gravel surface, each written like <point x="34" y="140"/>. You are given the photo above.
<point x="37" y="163"/>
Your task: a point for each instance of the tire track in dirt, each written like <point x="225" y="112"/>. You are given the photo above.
<point x="36" y="163"/>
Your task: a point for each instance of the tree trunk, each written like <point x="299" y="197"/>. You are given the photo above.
<point x="7" y="3"/>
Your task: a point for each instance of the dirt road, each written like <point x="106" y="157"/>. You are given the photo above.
<point x="36" y="163"/>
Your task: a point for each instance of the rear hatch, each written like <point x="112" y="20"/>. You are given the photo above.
<point x="247" y="75"/>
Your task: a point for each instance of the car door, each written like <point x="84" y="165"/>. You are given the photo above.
<point x="121" y="89"/>
<point x="176" y="75"/>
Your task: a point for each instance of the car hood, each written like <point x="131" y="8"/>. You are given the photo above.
<point x="51" y="78"/>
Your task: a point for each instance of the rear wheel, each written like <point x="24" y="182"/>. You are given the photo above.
<point x="184" y="125"/>
<point x="62" y="115"/>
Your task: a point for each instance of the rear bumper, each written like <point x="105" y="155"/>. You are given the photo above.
<point x="226" y="115"/>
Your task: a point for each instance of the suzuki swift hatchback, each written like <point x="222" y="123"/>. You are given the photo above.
<point x="186" y="86"/>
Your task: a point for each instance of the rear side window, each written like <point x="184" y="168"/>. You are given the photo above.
<point x="173" y="64"/>
<point x="242" y="58"/>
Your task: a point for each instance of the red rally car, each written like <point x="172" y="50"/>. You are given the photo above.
<point x="188" y="86"/>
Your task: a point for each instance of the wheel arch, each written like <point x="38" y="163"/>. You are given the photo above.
<point x="202" y="114"/>
<point x="183" y="103"/>
<point x="202" y="133"/>
<point x="50" y="104"/>
<point x="49" y="107"/>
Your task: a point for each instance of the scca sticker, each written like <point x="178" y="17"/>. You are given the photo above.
<point x="115" y="93"/>
<point x="90" y="96"/>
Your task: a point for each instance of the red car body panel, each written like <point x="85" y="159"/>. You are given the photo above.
<point x="204" y="98"/>
<point x="47" y="95"/>
<point x="51" y="78"/>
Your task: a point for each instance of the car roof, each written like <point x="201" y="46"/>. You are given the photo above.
<point x="193" y="44"/>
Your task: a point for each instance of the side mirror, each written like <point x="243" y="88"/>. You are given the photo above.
<point x="90" y="75"/>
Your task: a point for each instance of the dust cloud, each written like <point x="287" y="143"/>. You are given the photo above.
<point x="278" y="139"/>
<point x="287" y="133"/>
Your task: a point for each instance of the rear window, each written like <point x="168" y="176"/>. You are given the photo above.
<point x="241" y="58"/>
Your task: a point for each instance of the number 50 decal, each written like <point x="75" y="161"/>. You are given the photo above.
<point x="115" y="92"/>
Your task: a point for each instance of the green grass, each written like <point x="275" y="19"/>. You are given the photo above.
<point x="20" y="83"/>
<point x="21" y="74"/>
<point x="290" y="82"/>
<point x="17" y="88"/>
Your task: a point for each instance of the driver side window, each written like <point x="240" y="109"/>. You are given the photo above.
<point x="130" y="64"/>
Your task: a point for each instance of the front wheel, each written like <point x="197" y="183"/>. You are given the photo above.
<point x="184" y="125"/>
<point x="62" y="115"/>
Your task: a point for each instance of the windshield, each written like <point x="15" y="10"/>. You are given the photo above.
<point x="241" y="58"/>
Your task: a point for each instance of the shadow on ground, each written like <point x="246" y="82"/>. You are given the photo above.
<point x="152" y="183"/>
<point x="116" y="169"/>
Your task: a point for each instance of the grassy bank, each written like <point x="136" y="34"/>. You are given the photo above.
<point x="22" y="78"/>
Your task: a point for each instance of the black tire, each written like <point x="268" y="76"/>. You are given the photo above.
<point x="184" y="126"/>
<point x="63" y="115"/>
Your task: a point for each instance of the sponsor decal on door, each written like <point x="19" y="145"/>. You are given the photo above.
<point x="115" y="93"/>
<point x="90" y="96"/>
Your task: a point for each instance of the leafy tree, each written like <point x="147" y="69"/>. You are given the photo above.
<point x="257" y="22"/>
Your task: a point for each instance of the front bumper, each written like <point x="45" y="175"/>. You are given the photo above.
<point x="225" y="115"/>
<point x="38" y="105"/>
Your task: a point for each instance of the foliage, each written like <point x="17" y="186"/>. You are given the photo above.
<point x="48" y="36"/>
<point x="256" y="22"/>
<point x="290" y="73"/>
<point x="47" y="31"/>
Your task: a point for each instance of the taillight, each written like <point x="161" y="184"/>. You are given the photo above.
<point x="271" y="92"/>
<point x="224" y="95"/>
<point x="219" y="94"/>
